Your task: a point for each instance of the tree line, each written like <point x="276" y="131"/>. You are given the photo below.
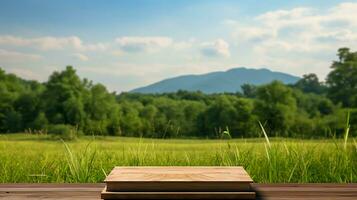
<point x="67" y="106"/>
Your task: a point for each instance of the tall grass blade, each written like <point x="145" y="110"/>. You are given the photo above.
<point x="226" y="133"/>
<point x="347" y="130"/>
<point x="267" y="151"/>
<point x="105" y="173"/>
<point x="292" y="172"/>
<point x="265" y="134"/>
<point x="71" y="161"/>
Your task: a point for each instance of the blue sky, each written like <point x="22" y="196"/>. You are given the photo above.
<point x="127" y="44"/>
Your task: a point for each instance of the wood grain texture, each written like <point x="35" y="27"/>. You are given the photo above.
<point x="177" y="195"/>
<point x="187" y="179"/>
<point x="263" y="191"/>
<point x="178" y="174"/>
<point x="305" y="191"/>
<point x="50" y="191"/>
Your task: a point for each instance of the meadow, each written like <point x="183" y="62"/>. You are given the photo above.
<point x="26" y="158"/>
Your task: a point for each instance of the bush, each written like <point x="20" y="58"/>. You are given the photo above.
<point x="96" y="127"/>
<point x="63" y="131"/>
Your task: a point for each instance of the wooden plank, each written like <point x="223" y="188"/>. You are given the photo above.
<point x="174" y="179"/>
<point x="263" y="191"/>
<point x="50" y="191"/>
<point x="176" y="195"/>
<point x="185" y="174"/>
<point x="305" y="191"/>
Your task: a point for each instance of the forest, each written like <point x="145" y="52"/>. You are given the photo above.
<point x="67" y="106"/>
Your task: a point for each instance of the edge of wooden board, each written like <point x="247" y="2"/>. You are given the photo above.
<point x="179" y="187"/>
<point x="176" y="195"/>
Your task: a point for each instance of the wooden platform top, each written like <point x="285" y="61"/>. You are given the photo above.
<point x="92" y="191"/>
<point x="178" y="174"/>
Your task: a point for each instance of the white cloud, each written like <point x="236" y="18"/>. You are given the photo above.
<point x="285" y="15"/>
<point x="298" y="38"/>
<point x="183" y="45"/>
<point x="140" y="44"/>
<point x="75" y="44"/>
<point x="304" y="29"/>
<point x="15" y="57"/>
<point x="216" y="48"/>
<point x="25" y="73"/>
<point x="80" y="57"/>
<point x="51" y="43"/>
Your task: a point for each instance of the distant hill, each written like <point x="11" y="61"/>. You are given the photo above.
<point x="218" y="82"/>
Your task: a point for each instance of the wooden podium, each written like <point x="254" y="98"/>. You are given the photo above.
<point x="178" y="183"/>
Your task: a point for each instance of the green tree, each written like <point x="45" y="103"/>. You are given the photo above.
<point x="27" y="104"/>
<point x="11" y="88"/>
<point x="102" y="112"/>
<point x="40" y="122"/>
<point x="64" y="97"/>
<point x="249" y="90"/>
<point x="276" y="107"/>
<point x="310" y="84"/>
<point x="342" y="80"/>
<point x="148" y="116"/>
<point x="228" y="112"/>
<point x="130" y="121"/>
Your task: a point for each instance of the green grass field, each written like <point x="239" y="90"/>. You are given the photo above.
<point x="35" y="158"/>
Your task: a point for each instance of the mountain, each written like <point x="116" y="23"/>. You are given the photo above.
<point x="218" y="82"/>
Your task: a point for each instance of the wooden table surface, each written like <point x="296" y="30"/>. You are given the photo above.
<point x="178" y="179"/>
<point x="92" y="191"/>
<point x="205" y="175"/>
